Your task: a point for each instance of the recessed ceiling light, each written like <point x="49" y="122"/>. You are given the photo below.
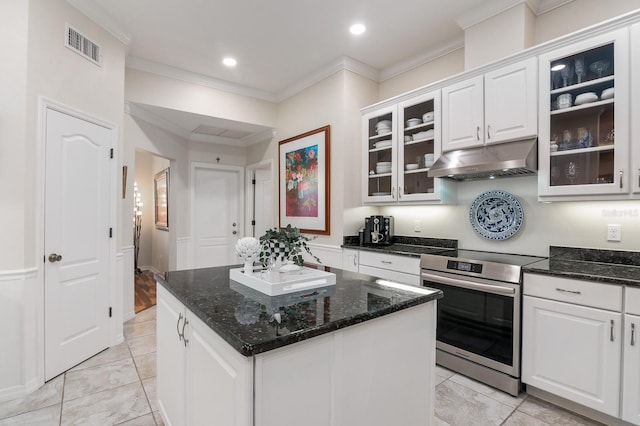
<point x="357" y="29"/>
<point x="230" y="62"/>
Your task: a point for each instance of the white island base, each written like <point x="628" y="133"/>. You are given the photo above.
<point x="376" y="373"/>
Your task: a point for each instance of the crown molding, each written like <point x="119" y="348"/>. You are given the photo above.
<point x="343" y="63"/>
<point x="102" y="19"/>
<point x="416" y="61"/>
<point x="195" y="78"/>
<point x="480" y="14"/>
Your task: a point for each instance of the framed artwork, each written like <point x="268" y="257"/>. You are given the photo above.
<point x="304" y="170"/>
<point x="161" y="199"/>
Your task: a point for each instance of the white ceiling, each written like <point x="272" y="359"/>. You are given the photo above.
<point x="283" y="46"/>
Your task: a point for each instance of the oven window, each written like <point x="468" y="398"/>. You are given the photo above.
<point x="478" y="322"/>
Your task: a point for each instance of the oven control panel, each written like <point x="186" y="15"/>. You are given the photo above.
<point x="464" y="266"/>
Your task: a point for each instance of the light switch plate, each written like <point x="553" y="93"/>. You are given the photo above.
<point x="417" y="226"/>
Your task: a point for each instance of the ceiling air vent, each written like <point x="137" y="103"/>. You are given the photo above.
<point x="82" y="45"/>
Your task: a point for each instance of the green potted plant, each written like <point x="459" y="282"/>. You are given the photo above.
<point x="281" y="244"/>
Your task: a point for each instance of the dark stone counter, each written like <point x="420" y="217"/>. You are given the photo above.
<point x="405" y="246"/>
<point x="607" y="266"/>
<point x="253" y="322"/>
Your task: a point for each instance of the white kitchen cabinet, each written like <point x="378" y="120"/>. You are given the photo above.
<point x="403" y="269"/>
<point x="569" y="349"/>
<point x="194" y="365"/>
<point x="631" y="351"/>
<point x="396" y="159"/>
<point x="350" y="260"/>
<point x="635" y="107"/>
<point x="584" y="119"/>
<point x="499" y="106"/>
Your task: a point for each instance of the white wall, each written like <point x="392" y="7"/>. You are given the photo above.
<point x="35" y="63"/>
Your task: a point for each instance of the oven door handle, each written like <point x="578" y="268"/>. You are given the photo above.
<point x="496" y="289"/>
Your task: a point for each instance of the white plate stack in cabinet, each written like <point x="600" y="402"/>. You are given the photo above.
<point x="496" y="107"/>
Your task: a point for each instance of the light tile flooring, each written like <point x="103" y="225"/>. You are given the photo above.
<point x="117" y="387"/>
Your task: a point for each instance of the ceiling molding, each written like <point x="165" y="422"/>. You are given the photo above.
<point x="343" y="63"/>
<point x="195" y="78"/>
<point x="487" y="11"/>
<point x="141" y="113"/>
<point x="102" y="18"/>
<point x="416" y="61"/>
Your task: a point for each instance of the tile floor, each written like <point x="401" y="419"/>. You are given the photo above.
<point x="117" y="387"/>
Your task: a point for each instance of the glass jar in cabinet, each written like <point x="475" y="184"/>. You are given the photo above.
<point x="419" y="146"/>
<point x="584" y="104"/>
<point x="379" y="131"/>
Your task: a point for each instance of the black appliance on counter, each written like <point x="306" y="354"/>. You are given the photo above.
<point x="378" y="230"/>
<point x="478" y="323"/>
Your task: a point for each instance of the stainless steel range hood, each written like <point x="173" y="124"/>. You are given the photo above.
<point x="518" y="158"/>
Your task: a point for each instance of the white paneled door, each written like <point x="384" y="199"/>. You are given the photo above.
<point x="263" y="202"/>
<point x="76" y="240"/>
<point x="216" y="213"/>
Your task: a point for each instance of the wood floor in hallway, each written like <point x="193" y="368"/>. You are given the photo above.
<point x="145" y="291"/>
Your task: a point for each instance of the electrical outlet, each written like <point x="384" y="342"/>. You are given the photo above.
<point x="614" y="232"/>
<point x="417" y="226"/>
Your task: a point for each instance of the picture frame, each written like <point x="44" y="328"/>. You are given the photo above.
<point x="161" y="199"/>
<point x="304" y="181"/>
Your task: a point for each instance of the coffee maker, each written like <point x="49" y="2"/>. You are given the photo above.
<point x="378" y="230"/>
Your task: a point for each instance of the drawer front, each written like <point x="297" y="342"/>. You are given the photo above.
<point x="586" y="293"/>
<point x="387" y="274"/>
<point x="406" y="264"/>
<point x="632" y="302"/>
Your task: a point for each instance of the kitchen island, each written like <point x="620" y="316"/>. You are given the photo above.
<point x="360" y="352"/>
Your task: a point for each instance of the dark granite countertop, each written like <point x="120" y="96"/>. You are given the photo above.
<point x="607" y="266"/>
<point x="253" y="322"/>
<point x="405" y="246"/>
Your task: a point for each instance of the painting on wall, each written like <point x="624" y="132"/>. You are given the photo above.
<point x="304" y="181"/>
<point x="161" y="199"/>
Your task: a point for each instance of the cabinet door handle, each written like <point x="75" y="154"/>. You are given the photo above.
<point x="489" y="131"/>
<point x="612" y="330"/>
<point x="180" y="317"/>
<point x="393" y="192"/>
<point x="399" y="192"/>
<point x="620" y="178"/>
<point x="184" y="339"/>
<point x="568" y="291"/>
<point x="638" y="178"/>
<point x="478" y="132"/>
<point x="633" y="334"/>
<point x="355" y="260"/>
<point x="387" y="262"/>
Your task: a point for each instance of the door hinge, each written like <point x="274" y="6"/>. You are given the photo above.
<point x="111" y="153"/>
<point x="253" y="223"/>
<point x="253" y="181"/>
<point x="110" y="232"/>
<point x="110" y="312"/>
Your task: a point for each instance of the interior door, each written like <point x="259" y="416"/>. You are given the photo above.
<point x="76" y="240"/>
<point x="263" y="202"/>
<point x="216" y="213"/>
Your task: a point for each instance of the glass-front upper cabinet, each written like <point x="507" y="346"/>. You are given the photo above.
<point x="380" y="159"/>
<point x="401" y="143"/>
<point x="584" y="118"/>
<point x="419" y="146"/>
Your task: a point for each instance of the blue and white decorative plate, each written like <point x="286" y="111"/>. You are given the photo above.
<point x="496" y="215"/>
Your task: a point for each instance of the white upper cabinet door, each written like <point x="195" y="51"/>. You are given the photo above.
<point x="635" y="107"/>
<point x="463" y="114"/>
<point x="511" y="102"/>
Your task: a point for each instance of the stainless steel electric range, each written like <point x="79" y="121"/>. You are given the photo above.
<point x="479" y="318"/>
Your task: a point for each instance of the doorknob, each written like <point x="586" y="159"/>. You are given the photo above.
<point x="55" y="258"/>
